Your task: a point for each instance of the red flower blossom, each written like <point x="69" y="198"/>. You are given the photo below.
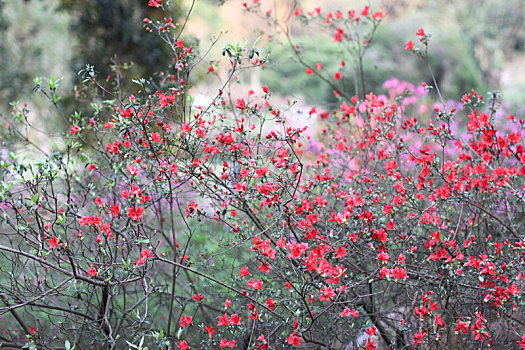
<point x="255" y="284"/>
<point x="210" y="331"/>
<point x="183" y="345"/>
<point x="115" y="209"/>
<point x="270" y="303"/>
<point x="370" y="344"/>
<point x="155" y="3"/>
<point x="377" y="15"/>
<point x="135" y="213"/>
<point x="294" y="339"/>
<point x="297" y="249"/>
<point x="235" y="320"/>
<point x="74" y="129"/>
<point x="54" y="242"/>
<point x="327" y="294"/>
<point x="399" y="272"/>
<point x="240" y="104"/>
<point x="244" y="272"/>
<point x="92" y="270"/>
<point x="228" y="344"/>
<point x="185" y="320"/>
<point x="462" y="326"/>
<point x="223" y="320"/>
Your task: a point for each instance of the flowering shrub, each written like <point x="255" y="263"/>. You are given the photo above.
<point x="165" y="224"/>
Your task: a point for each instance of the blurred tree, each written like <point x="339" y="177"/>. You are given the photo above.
<point x="494" y="29"/>
<point x="472" y="42"/>
<point x="34" y="41"/>
<point x="454" y="67"/>
<point x="11" y="79"/>
<point x="111" y="37"/>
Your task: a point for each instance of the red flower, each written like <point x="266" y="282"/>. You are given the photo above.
<point x="155" y="3"/>
<point x="115" y="209"/>
<point x="132" y="170"/>
<point x="261" y="172"/>
<point x="399" y="272"/>
<point x="228" y="344"/>
<point x="409" y="45"/>
<point x="521" y="342"/>
<point x="377" y="15"/>
<point x="54" y="242"/>
<point x="370" y="344"/>
<point x="144" y="254"/>
<point x="74" y="129"/>
<point x="420" y="32"/>
<point x="439" y="322"/>
<point x="309" y="71"/>
<point x="192" y="207"/>
<point x="383" y="256"/>
<point x="185" y="320"/>
<point x="338" y="76"/>
<point x="185" y="128"/>
<point x="347" y="313"/>
<point x="210" y="330"/>
<point x="92" y="271"/>
<point x="223" y="320"/>
<point x="244" y="272"/>
<point x="240" y="104"/>
<point x="183" y="345"/>
<point x="127" y="113"/>
<point x="255" y="284"/>
<point x="327" y="294"/>
<point x="418" y="337"/>
<point x="294" y="339"/>
<point x="297" y="249"/>
<point x="462" y="326"/>
<point x="371" y="330"/>
<point x="235" y="320"/>
<point x="135" y="213"/>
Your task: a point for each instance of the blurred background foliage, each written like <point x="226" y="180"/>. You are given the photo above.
<point x="110" y="36"/>
<point x="35" y="40"/>
<point x="476" y="44"/>
<point x="59" y="37"/>
<point x="455" y="69"/>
